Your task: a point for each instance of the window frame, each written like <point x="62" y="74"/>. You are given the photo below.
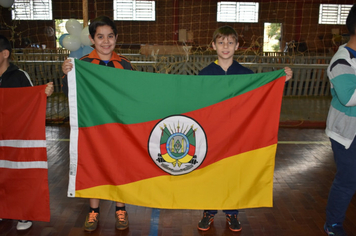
<point x="235" y="11"/>
<point x="27" y="9"/>
<point x="336" y="16"/>
<point x="138" y="11"/>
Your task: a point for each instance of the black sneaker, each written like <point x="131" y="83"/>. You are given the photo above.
<point x="334" y="230"/>
<point x="234" y="224"/>
<point x="204" y="223"/>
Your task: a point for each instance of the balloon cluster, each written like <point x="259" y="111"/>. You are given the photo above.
<point x="77" y="40"/>
<point x="6" y="3"/>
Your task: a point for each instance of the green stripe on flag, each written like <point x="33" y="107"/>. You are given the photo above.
<point x="108" y="95"/>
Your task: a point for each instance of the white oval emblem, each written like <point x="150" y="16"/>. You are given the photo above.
<point x="177" y="145"/>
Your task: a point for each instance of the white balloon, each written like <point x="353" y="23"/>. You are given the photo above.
<point x="71" y="42"/>
<point x="84" y="36"/>
<point x="74" y="27"/>
<point x="6" y="3"/>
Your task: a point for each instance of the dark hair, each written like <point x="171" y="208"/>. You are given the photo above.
<point x="351" y="20"/>
<point x="225" y="31"/>
<point x="5" y="44"/>
<point x="101" y="21"/>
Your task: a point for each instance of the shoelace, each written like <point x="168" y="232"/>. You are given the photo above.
<point x="121" y="215"/>
<point x="92" y="217"/>
<point x="207" y="217"/>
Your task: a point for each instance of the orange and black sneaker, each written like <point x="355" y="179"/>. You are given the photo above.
<point x="122" y="220"/>
<point x="234" y="223"/>
<point x="204" y="223"/>
<point x="91" y="222"/>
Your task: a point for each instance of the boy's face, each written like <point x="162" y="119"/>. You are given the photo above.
<point x="4" y="57"/>
<point x="225" y="47"/>
<point x="104" y="41"/>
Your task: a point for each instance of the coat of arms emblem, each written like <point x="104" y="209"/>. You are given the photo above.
<point x="178" y="145"/>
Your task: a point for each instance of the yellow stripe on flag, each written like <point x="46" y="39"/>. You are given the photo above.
<point x="252" y="185"/>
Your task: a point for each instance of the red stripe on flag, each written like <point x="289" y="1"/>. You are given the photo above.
<point x="23" y="154"/>
<point x="115" y="154"/>
<point x="163" y="148"/>
<point x="191" y="150"/>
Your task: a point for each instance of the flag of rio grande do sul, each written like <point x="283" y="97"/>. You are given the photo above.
<point x="24" y="193"/>
<point x="173" y="141"/>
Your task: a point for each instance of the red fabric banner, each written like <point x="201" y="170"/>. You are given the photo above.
<point x="24" y="190"/>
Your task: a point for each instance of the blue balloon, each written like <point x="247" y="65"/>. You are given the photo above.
<point x="81" y="52"/>
<point x="76" y="54"/>
<point x="87" y="50"/>
<point x="60" y="40"/>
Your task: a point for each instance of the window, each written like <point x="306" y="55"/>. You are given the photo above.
<point x="32" y="10"/>
<point x="237" y="12"/>
<point x="335" y="14"/>
<point x="134" y="10"/>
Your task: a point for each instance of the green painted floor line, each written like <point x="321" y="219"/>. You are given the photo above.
<point x="279" y="142"/>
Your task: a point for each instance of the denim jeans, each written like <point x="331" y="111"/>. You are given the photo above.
<point x="229" y="212"/>
<point x="344" y="185"/>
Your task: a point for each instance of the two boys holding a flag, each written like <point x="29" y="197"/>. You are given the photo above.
<point x="225" y="42"/>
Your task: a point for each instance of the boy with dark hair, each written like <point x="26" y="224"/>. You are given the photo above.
<point x="225" y="42"/>
<point x="10" y="77"/>
<point x="341" y="129"/>
<point x="101" y="21"/>
<point x="103" y="34"/>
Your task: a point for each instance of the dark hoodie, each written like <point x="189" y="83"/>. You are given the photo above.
<point x="14" y="77"/>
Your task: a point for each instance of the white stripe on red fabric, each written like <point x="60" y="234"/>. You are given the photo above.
<point x="23" y="143"/>
<point x="23" y="164"/>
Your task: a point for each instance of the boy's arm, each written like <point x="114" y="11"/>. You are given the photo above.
<point x="289" y="73"/>
<point x="343" y="82"/>
<point x="66" y="67"/>
<point x="49" y="89"/>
